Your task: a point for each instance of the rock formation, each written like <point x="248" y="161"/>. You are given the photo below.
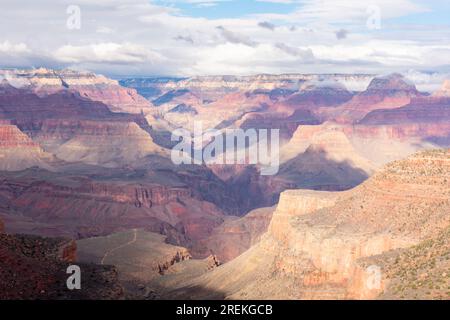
<point x="317" y="240"/>
<point x="18" y="151"/>
<point x="95" y="87"/>
<point x="35" y="268"/>
<point x="385" y="92"/>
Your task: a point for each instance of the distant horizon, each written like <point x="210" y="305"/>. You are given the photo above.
<point x="425" y="81"/>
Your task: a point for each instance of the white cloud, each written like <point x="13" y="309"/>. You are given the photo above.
<point x="107" y="52"/>
<point x="13" y="48"/>
<point x="142" y="37"/>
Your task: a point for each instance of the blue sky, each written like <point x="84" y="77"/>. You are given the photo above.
<point x="229" y="8"/>
<point x="438" y="14"/>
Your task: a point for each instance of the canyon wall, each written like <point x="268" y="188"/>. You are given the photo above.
<point x="316" y="241"/>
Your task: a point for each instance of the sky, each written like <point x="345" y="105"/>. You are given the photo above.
<point x="212" y="37"/>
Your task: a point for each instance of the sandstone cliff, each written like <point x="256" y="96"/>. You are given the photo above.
<point x="18" y="151"/>
<point x="316" y="240"/>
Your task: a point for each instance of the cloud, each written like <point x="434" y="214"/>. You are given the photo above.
<point x="266" y="25"/>
<point x="236" y="38"/>
<point x="341" y="34"/>
<point x="164" y="38"/>
<point x="13" y="48"/>
<point x="106" y="52"/>
<point x="305" y="54"/>
<point x="184" y="38"/>
<point x="347" y="11"/>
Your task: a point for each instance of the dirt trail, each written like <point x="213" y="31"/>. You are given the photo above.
<point x="120" y="247"/>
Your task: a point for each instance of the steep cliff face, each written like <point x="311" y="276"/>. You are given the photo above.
<point x="316" y="240"/>
<point x="55" y="204"/>
<point x="110" y="144"/>
<point x="18" y="151"/>
<point x="95" y="87"/>
<point x="75" y="128"/>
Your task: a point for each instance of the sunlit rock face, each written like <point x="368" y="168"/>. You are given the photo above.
<point x="18" y="151"/>
<point x="83" y="156"/>
<point x="316" y="240"/>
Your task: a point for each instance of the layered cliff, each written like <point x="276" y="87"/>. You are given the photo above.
<point x="18" y="151"/>
<point x="110" y="144"/>
<point x="64" y="204"/>
<point x="95" y="87"/>
<point x="387" y="92"/>
<point x="317" y="240"/>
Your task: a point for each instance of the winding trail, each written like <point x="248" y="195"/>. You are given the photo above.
<point x="107" y="253"/>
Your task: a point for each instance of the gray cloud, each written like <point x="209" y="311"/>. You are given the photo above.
<point x="267" y="25"/>
<point x="236" y="38"/>
<point x="341" y="34"/>
<point x="304" y="54"/>
<point x="184" y="38"/>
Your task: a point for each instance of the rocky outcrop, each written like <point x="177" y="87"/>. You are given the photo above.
<point x="110" y="144"/>
<point x="139" y="255"/>
<point x="385" y="92"/>
<point x="18" y="151"/>
<point x="75" y="128"/>
<point x="313" y="95"/>
<point x="35" y="268"/>
<point x="316" y="240"/>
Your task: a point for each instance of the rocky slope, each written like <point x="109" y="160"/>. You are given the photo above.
<point x="316" y="240"/>
<point x="236" y="235"/>
<point x="137" y="254"/>
<point x="35" y="268"/>
<point x="419" y="272"/>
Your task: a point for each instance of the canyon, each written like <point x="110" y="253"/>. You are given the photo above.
<point x="85" y="164"/>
